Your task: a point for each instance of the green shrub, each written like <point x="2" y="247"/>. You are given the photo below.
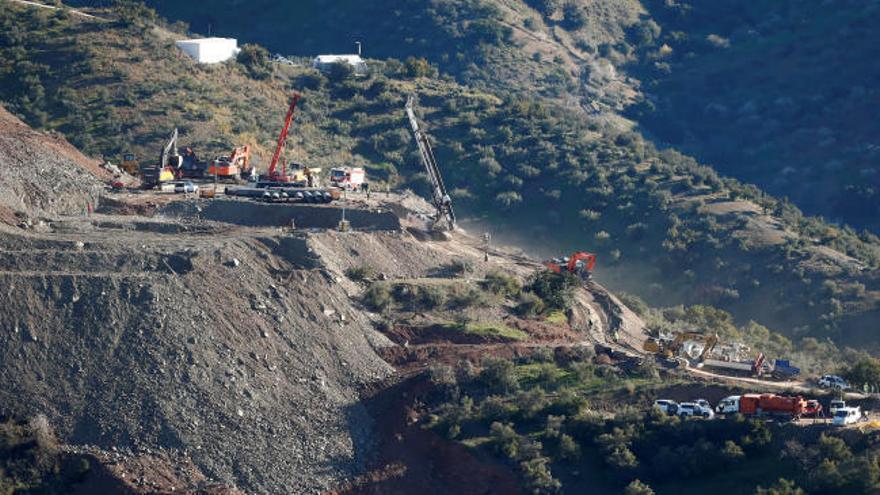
<point x="554" y="289"/>
<point x="255" y="60"/>
<point x="460" y="296"/>
<point x="500" y="283"/>
<point x="360" y="273"/>
<point x="499" y="374"/>
<point x="865" y="370"/>
<point x="418" y="67"/>
<point x="636" y="487"/>
<point x="574" y="15"/>
<point x="782" y="486"/>
<point x="529" y="305"/>
<point x="378" y="297"/>
<point x="431" y="297"/>
<point x="495" y="408"/>
<point x="340" y="72"/>
<point x="461" y="267"/>
<point x="539" y="480"/>
<point x="505" y="439"/>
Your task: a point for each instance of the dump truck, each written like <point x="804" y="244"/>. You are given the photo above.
<point x="763" y="405"/>
<point x="780" y="369"/>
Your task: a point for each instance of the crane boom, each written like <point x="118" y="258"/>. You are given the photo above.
<point x="282" y="138"/>
<point x="438" y="190"/>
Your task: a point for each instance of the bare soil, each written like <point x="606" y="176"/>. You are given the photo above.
<point x="43" y="175"/>
<point x="412" y="459"/>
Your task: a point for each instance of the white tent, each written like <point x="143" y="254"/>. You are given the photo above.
<point x="209" y="50"/>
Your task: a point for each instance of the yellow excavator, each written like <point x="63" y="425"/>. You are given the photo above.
<point x="130" y="164"/>
<point x="670" y="347"/>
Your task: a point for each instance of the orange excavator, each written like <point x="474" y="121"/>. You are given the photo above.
<point x="273" y="174"/>
<point x="232" y="166"/>
<point x="580" y="264"/>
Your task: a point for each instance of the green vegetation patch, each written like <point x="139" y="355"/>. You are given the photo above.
<point x="557" y="317"/>
<point x="490" y="330"/>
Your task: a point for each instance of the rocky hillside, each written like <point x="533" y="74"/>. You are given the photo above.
<point x="171" y="337"/>
<point x="665" y="227"/>
<point x="43" y="174"/>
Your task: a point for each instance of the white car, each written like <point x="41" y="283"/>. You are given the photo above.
<point x="185" y="186"/>
<point x="668" y="406"/>
<point x="835" y="406"/>
<point x="847" y="416"/>
<point x="692" y="409"/>
<point x="833" y="381"/>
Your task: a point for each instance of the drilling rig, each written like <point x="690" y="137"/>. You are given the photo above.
<point x="445" y="217"/>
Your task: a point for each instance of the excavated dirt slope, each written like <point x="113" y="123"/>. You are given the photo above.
<point x="237" y="348"/>
<point x="42" y="174"/>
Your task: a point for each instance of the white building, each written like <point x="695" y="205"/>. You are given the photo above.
<point x="324" y="62"/>
<point x="209" y="50"/>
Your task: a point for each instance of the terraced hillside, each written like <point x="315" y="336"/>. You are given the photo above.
<point x="665" y="227"/>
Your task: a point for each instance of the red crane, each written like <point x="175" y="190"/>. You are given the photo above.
<point x="580" y="263"/>
<point x="273" y="174"/>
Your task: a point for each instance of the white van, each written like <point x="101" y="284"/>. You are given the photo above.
<point x="728" y="405"/>
<point x="847" y="416"/>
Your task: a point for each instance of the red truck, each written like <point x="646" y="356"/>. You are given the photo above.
<point x="769" y="405"/>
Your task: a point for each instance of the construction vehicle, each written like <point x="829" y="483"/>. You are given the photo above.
<point x="274" y="175"/>
<point x="302" y="176"/>
<point x="166" y="169"/>
<point x="348" y="178"/>
<point x="768" y="405"/>
<point x="190" y="166"/>
<point x="781" y="369"/>
<point x="445" y="217"/>
<point x="747" y="368"/>
<point x="848" y="416"/>
<point x="233" y="166"/>
<point x="669" y="347"/>
<point x="580" y="264"/>
<point x="130" y="164"/>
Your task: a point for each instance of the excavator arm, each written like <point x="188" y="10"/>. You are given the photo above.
<point x="711" y="342"/>
<point x="588" y="259"/>
<point x="441" y="199"/>
<point x="241" y="156"/>
<point x="169" y="151"/>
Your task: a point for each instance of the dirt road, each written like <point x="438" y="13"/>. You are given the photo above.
<point x="72" y="11"/>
